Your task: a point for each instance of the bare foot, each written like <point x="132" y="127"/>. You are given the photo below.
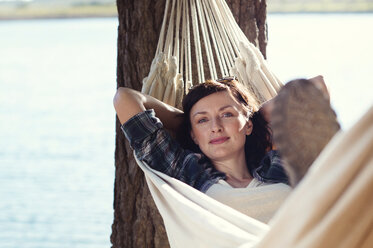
<point x="302" y="122"/>
<point x="319" y="82"/>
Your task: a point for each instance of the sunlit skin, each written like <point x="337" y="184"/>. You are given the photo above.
<point x="219" y="128"/>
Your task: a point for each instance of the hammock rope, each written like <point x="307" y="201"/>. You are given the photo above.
<point x="208" y="31"/>
<point x="191" y="218"/>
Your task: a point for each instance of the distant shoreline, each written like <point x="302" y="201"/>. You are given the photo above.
<point x="57" y="12"/>
<point x="82" y="16"/>
<point x="25" y="18"/>
<point x="320" y="12"/>
<point x="109" y="11"/>
<point x="320" y="7"/>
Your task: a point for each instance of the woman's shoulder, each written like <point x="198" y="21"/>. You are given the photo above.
<point x="271" y="169"/>
<point x="155" y="146"/>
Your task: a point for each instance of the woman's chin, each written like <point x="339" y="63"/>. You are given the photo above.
<point x="221" y="154"/>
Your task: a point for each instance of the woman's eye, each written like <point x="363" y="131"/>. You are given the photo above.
<point x="202" y="120"/>
<point x="227" y="114"/>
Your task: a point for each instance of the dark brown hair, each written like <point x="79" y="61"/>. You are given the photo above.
<point x="257" y="144"/>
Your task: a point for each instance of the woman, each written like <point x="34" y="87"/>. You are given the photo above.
<point x="232" y="156"/>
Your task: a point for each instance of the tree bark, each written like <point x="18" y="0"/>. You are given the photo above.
<point x="137" y="222"/>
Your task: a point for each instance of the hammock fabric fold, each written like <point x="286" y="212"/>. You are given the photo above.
<point x="331" y="207"/>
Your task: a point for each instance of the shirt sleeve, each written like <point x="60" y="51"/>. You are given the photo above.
<point x="271" y="169"/>
<point x="153" y="144"/>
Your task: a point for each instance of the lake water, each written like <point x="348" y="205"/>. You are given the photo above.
<point x="57" y="79"/>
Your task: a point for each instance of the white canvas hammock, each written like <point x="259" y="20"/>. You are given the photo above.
<point x="331" y="207"/>
<point x="217" y="42"/>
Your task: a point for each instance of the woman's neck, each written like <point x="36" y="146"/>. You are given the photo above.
<point x="235" y="170"/>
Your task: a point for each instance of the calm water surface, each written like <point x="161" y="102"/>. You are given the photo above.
<point x="57" y="79"/>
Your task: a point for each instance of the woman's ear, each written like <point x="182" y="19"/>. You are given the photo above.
<point x="249" y="127"/>
<point x="193" y="137"/>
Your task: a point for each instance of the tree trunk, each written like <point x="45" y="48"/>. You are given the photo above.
<point x="137" y="222"/>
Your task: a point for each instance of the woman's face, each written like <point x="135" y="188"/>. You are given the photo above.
<point x="219" y="126"/>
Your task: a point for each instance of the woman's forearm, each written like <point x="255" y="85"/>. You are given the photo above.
<point x="129" y="102"/>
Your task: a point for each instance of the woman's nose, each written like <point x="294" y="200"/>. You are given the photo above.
<point x="216" y="125"/>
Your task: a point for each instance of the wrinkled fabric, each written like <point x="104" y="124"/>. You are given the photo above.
<point x="331" y="207"/>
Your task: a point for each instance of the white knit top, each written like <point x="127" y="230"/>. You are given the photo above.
<point x="258" y="200"/>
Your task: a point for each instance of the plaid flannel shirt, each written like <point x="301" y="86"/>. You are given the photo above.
<point x="154" y="146"/>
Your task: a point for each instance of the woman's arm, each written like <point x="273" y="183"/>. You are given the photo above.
<point x="129" y="102"/>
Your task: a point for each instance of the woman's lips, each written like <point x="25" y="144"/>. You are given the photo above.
<point x="218" y="140"/>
